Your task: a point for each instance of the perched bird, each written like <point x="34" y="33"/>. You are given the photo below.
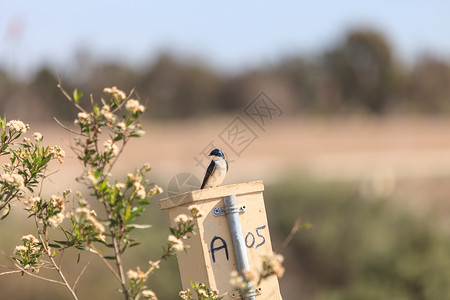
<point x="217" y="169"/>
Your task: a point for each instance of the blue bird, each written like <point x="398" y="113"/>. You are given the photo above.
<point x="217" y="169"/>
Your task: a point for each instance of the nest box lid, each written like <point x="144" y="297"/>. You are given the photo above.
<point x="211" y="193"/>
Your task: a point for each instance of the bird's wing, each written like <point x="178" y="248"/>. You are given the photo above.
<point x="209" y="171"/>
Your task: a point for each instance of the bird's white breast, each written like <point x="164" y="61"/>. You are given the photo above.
<point x="219" y="173"/>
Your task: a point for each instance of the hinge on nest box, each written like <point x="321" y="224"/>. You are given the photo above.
<point x="238" y="295"/>
<point x="220" y="211"/>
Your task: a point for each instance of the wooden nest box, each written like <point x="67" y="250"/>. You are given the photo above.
<point x="214" y="251"/>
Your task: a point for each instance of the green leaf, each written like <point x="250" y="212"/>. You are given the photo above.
<point x="85" y="248"/>
<point x="109" y="257"/>
<point x="67" y="243"/>
<point x="135" y="244"/>
<point x="8" y="210"/>
<point x="63" y="242"/>
<point x="127" y="213"/>
<point x="140" y="226"/>
<point x="21" y="145"/>
<point x="77" y="95"/>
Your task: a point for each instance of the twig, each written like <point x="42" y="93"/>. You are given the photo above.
<point x="118" y="154"/>
<point x="106" y="262"/>
<point x="11" y="272"/>
<point x="67" y="128"/>
<point x="79" y="276"/>
<point x="68" y="96"/>
<point x="55" y="265"/>
<point x="42" y="184"/>
<point x="22" y="270"/>
<point x="37" y="276"/>
<point x="117" y="255"/>
<point x="297" y="226"/>
<point x="124" y="101"/>
<point x="119" y="265"/>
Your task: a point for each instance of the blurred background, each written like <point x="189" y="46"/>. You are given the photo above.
<point x="355" y="139"/>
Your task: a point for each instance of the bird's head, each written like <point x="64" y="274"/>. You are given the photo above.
<point x="217" y="153"/>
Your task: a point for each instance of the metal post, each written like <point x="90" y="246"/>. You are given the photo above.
<point x="237" y="238"/>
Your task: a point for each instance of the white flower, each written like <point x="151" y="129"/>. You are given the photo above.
<point x="156" y="190"/>
<point x="18" y="126"/>
<point x="249" y="275"/>
<point x="37" y="136"/>
<point x="148" y="294"/>
<point x="30" y="238"/>
<point x="18" y="180"/>
<point x="273" y="264"/>
<point x="20" y="249"/>
<point x="67" y="192"/>
<point x="31" y="202"/>
<point x="134" y="106"/>
<point x="237" y="281"/>
<point x="106" y="112"/>
<point x="91" y="178"/>
<point x="132" y="274"/>
<point x="105" y="109"/>
<point x="177" y="244"/>
<point x="136" y="274"/>
<point x="154" y="264"/>
<point x="120" y="185"/>
<point x="58" y="153"/>
<point x="13" y="179"/>
<point x="195" y="211"/>
<point x="6" y="177"/>
<point x="184" y="294"/>
<point x="83" y="118"/>
<point x="139" y="133"/>
<point x="56" y="220"/>
<point x="140" y="191"/>
<point x="82" y="210"/>
<point x="131" y="177"/>
<point x="90" y="216"/>
<point x="181" y="218"/>
<point x="97" y="225"/>
<point x="111" y="147"/>
<point x="122" y="126"/>
<point x="57" y="202"/>
<point x="115" y="92"/>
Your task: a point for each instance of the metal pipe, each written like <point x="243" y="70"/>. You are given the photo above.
<point x="237" y="238"/>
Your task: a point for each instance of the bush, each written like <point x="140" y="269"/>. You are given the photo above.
<point x="360" y="248"/>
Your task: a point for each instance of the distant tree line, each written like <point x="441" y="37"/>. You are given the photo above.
<point x="358" y="74"/>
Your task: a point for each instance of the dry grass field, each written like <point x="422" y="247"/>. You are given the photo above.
<point x="408" y="157"/>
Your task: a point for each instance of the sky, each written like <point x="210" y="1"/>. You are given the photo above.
<point x="231" y="35"/>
